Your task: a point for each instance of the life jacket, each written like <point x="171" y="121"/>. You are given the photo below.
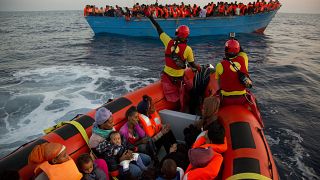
<point x="172" y="64"/>
<point x="210" y="171"/>
<point x="179" y="13"/>
<point x="152" y="125"/>
<point x="229" y="80"/>
<point x="201" y="142"/>
<point x="194" y="11"/>
<point x="188" y="12"/>
<point x="174" y="13"/>
<point x="166" y="13"/>
<point x="230" y="10"/>
<point x="155" y="12"/>
<point x="182" y="13"/>
<point x="243" y="9"/>
<point x="67" y="170"/>
<point x="221" y="8"/>
<point x="209" y="10"/>
<point x="262" y="6"/>
<point x="160" y="12"/>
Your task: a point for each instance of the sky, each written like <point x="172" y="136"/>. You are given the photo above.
<point x="288" y="6"/>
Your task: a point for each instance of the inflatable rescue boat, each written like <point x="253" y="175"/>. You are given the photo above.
<point x="248" y="155"/>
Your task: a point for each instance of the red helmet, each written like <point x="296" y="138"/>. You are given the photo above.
<point x="232" y="47"/>
<point x="182" y="31"/>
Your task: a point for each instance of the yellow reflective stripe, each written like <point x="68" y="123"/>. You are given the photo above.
<point x="233" y="93"/>
<point x="80" y="129"/>
<point x="74" y="123"/>
<point x="248" y="176"/>
<point x="173" y="72"/>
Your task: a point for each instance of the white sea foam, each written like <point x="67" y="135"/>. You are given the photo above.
<point x="58" y="82"/>
<point x="293" y="140"/>
<point x="300" y="154"/>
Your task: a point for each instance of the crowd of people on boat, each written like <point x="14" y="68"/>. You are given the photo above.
<point x="131" y="152"/>
<point x="183" y="10"/>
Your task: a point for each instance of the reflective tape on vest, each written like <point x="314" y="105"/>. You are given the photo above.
<point x="157" y="120"/>
<point x="146" y="119"/>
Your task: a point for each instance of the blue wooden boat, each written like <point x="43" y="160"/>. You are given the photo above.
<point x="198" y="26"/>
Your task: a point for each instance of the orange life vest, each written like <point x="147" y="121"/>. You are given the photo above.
<point x="174" y="13"/>
<point x="229" y="10"/>
<point x="182" y="13"/>
<point x="66" y="170"/>
<point x="194" y="11"/>
<point x="166" y="12"/>
<point x="211" y="171"/>
<point x="221" y="8"/>
<point x="209" y="10"/>
<point x="229" y="80"/>
<point x="152" y="125"/>
<point x="201" y="142"/>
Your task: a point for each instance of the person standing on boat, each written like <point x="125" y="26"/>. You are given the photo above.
<point x="232" y="73"/>
<point x="177" y="54"/>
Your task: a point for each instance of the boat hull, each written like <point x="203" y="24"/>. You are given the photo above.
<point x="198" y="26"/>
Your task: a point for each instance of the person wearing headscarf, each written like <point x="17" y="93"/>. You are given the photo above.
<point x="53" y="160"/>
<point x="102" y="127"/>
<point x="99" y="141"/>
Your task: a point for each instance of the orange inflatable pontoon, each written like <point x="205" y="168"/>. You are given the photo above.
<point x="248" y="155"/>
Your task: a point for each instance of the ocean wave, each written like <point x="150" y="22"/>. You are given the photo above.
<point x="63" y="89"/>
<point x="290" y="154"/>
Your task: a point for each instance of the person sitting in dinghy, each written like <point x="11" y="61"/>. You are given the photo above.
<point x="101" y="130"/>
<point x="52" y="162"/>
<point x="205" y="156"/>
<point x="115" y="151"/>
<point x="102" y="127"/>
<point x="92" y="170"/>
<point x="152" y="125"/>
<point x="209" y="115"/>
<point x="177" y="55"/>
<point x="133" y="133"/>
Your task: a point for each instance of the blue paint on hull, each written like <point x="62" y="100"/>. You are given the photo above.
<point x="198" y="26"/>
